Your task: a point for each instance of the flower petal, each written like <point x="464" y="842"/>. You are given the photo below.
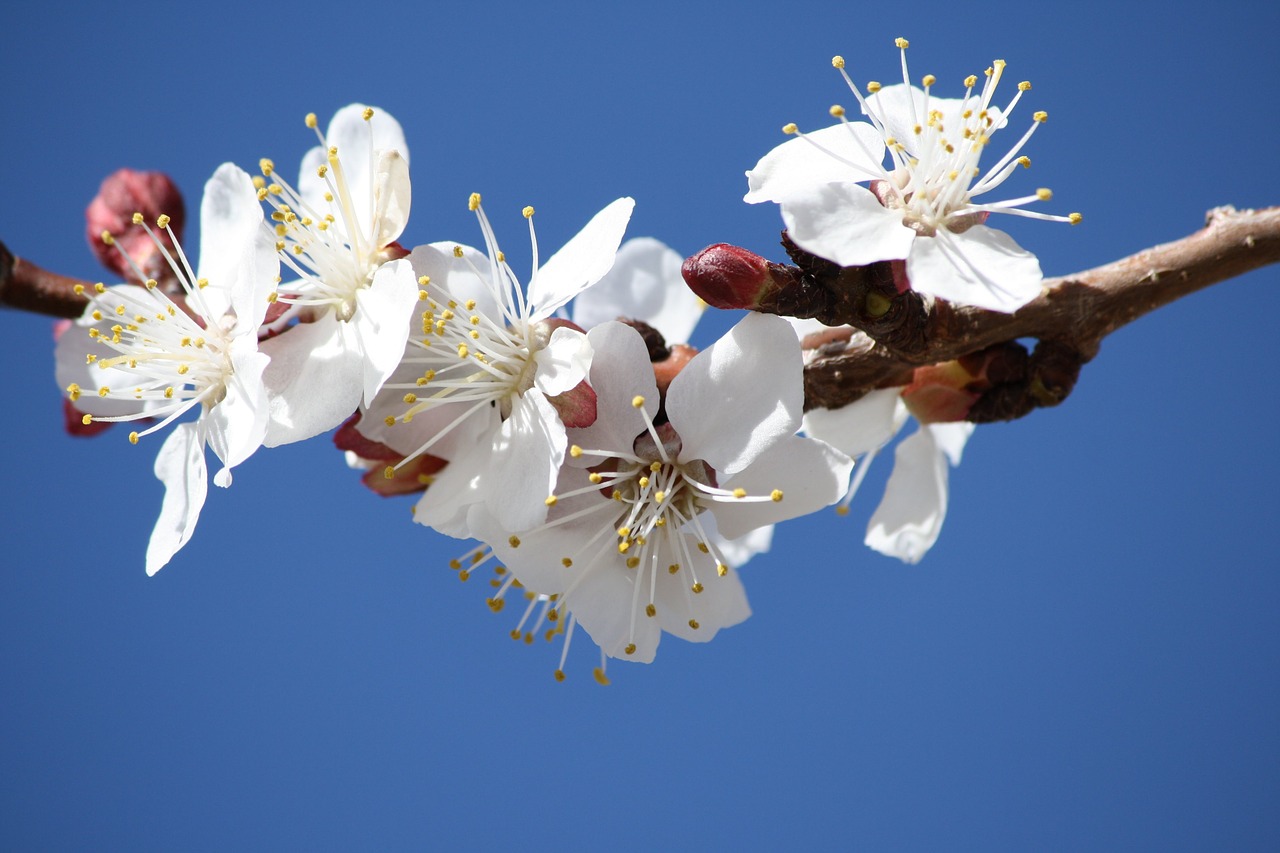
<point x="737" y="398"/>
<point x="526" y="455"/>
<point x="620" y="372"/>
<point x="909" y="518"/>
<point x="180" y="466"/>
<point x="862" y="426"/>
<point x="315" y="376"/>
<point x="238" y="423"/>
<point x="842" y="153"/>
<point x="563" y="362"/>
<point x="236" y="256"/>
<point x="810" y="474"/>
<point x="846" y="224"/>
<point x="645" y="284"/>
<point x="721" y="604"/>
<point x="381" y="324"/>
<point x="391" y="194"/>
<point x="982" y="266"/>
<point x="582" y="261"/>
<point x="602" y="604"/>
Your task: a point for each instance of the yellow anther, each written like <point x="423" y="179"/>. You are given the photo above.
<point x="275" y="189"/>
<point x="551" y="500"/>
<point x="410" y="398"/>
<point x="464" y="575"/>
<point x="86" y="420"/>
<point x="1040" y="116"/>
<point x="644" y="482"/>
<point x="637" y="401"/>
<point x="659" y="496"/>
<point x="78" y="290"/>
<point x="842" y="510"/>
<point x="775" y="495"/>
<point x="873" y="86"/>
<point x="630" y="649"/>
<point x="929" y="80"/>
<point x="559" y="675"/>
<point x="104" y="390"/>
<point x="389" y="420"/>
<point x="722" y="569"/>
<point x="133" y="438"/>
<point x="266" y="166"/>
<point x="697" y="588"/>
<point x="389" y="472"/>
<point x="632" y="562"/>
<point x="836" y="111"/>
<point x="790" y="128"/>
<point x="600" y="677"/>
<point x="693" y="623"/>
<point x="553" y="615"/>
<point x="496" y="604"/>
<point x="183" y="369"/>
<point x="108" y="239"/>
<point x="1044" y="194"/>
<point x="513" y="541"/>
<point x="1024" y="86"/>
<point x="527" y="212"/>
<point x="650" y="610"/>
<point x="422" y="296"/>
<point x="575" y="451"/>
<point x="624" y="547"/>
<point x="1074" y="218"/>
<point x="137" y="218"/>
<point x="595" y="478"/>
<point x="837" y="61"/>
<point x="310" y="120"/>
<point x="566" y="562"/>
<point x="259" y="184"/>
<point x="702" y="546"/>
<point x="322" y="170"/>
<point x="73" y="391"/>
<point x="971" y="81"/>
<point x="457" y="251"/>
<point x="655" y="466"/>
<point x="739" y="492"/>
<point x="473" y="202"/>
<point x="462" y="350"/>
<point x="901" y="43"/>
<point x="367" y="114"/>
<point x="1024" y="161"/>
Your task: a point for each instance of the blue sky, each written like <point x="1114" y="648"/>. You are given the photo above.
<point x="1087" y="660"/>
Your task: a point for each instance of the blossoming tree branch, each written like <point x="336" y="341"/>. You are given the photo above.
<point x="558" y="419"/>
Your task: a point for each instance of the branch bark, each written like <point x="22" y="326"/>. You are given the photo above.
<point x="27" y="287"/>
<point x="1069" y="319"/>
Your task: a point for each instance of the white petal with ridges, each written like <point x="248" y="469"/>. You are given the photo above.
<point x="837" y="154"/>
<point x="982" y="267"/>
<point x="181" y="467"/>
<point x="846" y="224"/>
<point x="644" y="284"/>
<point x="582" y="261"/>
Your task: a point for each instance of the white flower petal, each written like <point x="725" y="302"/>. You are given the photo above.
<point x="862" y="426"/>
<point x="582" y="261"/>
<point x="621" y="371"/>
<point x="563" y="362"/>
<point x="180" y="466"/>
<point x="602" y="605"/>
<point x="391" y="197"/>
<point x="909" y="518"/>
<point x="842" y="153"/>
<point x="846" y="224"/>
<point x="238" y="423"/>
<point x="951" y="438"/>
<point x="357" y="141"/>
<point x="384" y="311"/>
<point x="315" y="377"/>
<point x="721" y="604"/>
<point x="981" y="267"/>
<point x="233" y="258"/>
<point x="645" y="284"/>
<point x="811" y="474"/>
<point x="531" y="442"/>
<point x="737" y="398"/>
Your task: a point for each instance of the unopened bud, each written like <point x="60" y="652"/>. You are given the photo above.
<point x="726" y="276"/>
<point x="124" y="193"/>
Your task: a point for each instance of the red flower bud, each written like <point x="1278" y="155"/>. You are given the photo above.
<point x="726" y="276"/>
<point x="122" y="194"/>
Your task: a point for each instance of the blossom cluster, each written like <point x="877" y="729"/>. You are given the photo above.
<point x="615" y="477"/>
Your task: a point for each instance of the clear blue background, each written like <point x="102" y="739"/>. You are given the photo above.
<point x="1087" y="660"/>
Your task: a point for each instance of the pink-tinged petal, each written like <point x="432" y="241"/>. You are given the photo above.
<point x="602" y="604"/>
<point x="180" y="466"/>
<point x="846" y="224"/>
<point x="238" y="265"/>
<point x="982" y="267"/>
<point x="645" y="284"/>
<point x="577" y="406"/>
<point x="526" y="455"/>
<point x="739" y="397"/>
<point x="721" y="604"/>
<point x="563" y="362"/>
<point x="620" y="372"/>
<point x="582" y="261"/>
<point x="810" y="474"/>
<point x="381" y="323"/>
<point x="842" y="153"/>
<point x="909" y="518"/>
<point x="315" y="378"/>
<point x="862" y="426"/>
<point x="238" y="423"/>
<point x="391" y="191"/>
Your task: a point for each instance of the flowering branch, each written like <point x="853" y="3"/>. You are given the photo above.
<point x="893" y="333"/>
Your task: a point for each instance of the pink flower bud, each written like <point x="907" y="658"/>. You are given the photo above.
<point x="726" y="276"/>
<point x="124" y="193"/>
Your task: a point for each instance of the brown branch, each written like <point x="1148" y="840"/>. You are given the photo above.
<point x="27" y="287"/>
<point x="1069" y="319"/>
